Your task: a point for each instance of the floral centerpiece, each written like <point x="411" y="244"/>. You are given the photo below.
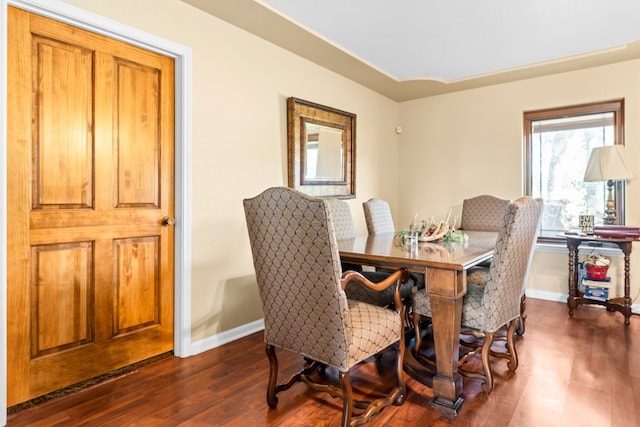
<point x="430" y="230"/>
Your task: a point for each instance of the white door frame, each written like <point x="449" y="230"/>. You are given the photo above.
<point x="183" y="74"/>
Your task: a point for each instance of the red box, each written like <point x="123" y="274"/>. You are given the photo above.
<point x="596" y="272"/>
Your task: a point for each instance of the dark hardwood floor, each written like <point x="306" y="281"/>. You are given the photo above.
<point x="580" y="371"/>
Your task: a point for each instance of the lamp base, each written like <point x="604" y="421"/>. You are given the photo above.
<point x="610" y="207"/>
<point x="609" y="218"/>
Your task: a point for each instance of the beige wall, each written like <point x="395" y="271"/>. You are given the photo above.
<point x="452" y="146"/>
<point x="467" y="143"/>
<point x="240" y="86"/>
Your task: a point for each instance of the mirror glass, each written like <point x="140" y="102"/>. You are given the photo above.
<point x="323" y="154"/>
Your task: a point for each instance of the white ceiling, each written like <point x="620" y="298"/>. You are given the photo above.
<point x="456" y="39"/>
<point x="407" y="49"/>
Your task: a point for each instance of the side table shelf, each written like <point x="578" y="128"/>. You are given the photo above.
<point x="576" y="296"/>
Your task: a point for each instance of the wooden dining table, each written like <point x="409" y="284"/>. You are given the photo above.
<point x="445" y="266"/>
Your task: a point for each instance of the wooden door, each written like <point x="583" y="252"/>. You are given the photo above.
<point x="90" y="179"/>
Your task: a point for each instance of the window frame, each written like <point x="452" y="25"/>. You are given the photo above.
<point x="616" y="106"/>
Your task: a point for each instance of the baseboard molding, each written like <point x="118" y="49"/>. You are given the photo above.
<point x="546" y="295"/>
<point x="560" y="297"/>
<point x="258" y="325"/>
<point x="226" y="336"/>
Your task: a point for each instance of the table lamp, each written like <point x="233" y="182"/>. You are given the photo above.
<point x="609" y="163"/>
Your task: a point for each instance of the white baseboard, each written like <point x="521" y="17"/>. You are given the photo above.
<point x="226" y="336"/>
<point x="546" y="295"/>
<point x="560" y="297"/>
<point x="258" y="325"/>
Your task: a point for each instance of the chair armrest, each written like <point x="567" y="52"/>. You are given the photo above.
<point x="396" y="278"/>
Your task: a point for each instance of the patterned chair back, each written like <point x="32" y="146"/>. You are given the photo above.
<point x="297" y="266"/>
<point x="377" y="215"/>
<point x="510" y="264"/>
<point x="483" y="213"/>
<point x="342" y="219"/>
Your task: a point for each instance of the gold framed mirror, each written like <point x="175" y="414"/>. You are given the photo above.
<point x="321" y="149"/>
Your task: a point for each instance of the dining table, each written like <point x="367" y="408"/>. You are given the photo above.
<point x="445" y="265"/>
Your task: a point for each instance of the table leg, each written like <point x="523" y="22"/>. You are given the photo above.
<point x="573" y="274"/>
<point x="626" y="249"/>
<point x="446" y="289"/>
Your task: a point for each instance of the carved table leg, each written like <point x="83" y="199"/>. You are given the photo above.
<point x="572" y="245"/>
<point x="446" y="289"/>
<point x="626" y="248"/>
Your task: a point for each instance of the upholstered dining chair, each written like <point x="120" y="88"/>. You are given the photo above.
<point x="345" y="229"/>
<point x="343" y="225"/>
<point x="486" y="309"/>
<point x="306" y="310"/>
<point x="483" y="213"/>
<point x="379" y="220"/>
<point x="342" y="219"/>
<point x="377" y="215"/>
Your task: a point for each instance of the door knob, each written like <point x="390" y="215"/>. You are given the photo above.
<point x="168" y="220"/>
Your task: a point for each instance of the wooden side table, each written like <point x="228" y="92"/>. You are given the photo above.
<point x="576" y="296"/>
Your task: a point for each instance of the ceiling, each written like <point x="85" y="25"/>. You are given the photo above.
<point x="416" y="48"/>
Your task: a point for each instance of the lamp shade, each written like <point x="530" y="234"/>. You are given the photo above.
<point x="609" y="163"/>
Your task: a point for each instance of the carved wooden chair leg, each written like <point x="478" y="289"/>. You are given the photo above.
<point x="347" y="398"/>
<point x="523" y="315"/>
<point x="400" y="372"/>
<point x="408" y="313"/>
<point x="272" y="400"/>
<point x="487" y="386"/>
<point x="273" y="388"/>
<point x="511" y="345"/>
<point x="417" y="333"/>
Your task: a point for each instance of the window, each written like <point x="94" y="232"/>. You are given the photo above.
<point x="558" y="143"/>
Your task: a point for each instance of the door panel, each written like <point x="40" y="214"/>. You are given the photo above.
<point x="137" y="273"/>
<point x="90" y="149"/>
<point x="61" y="273"/>
<point x="137" y="143"/>
<point x="63" y="109"/>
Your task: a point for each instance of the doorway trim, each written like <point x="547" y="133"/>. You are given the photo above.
<point x="81" y="18"/>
